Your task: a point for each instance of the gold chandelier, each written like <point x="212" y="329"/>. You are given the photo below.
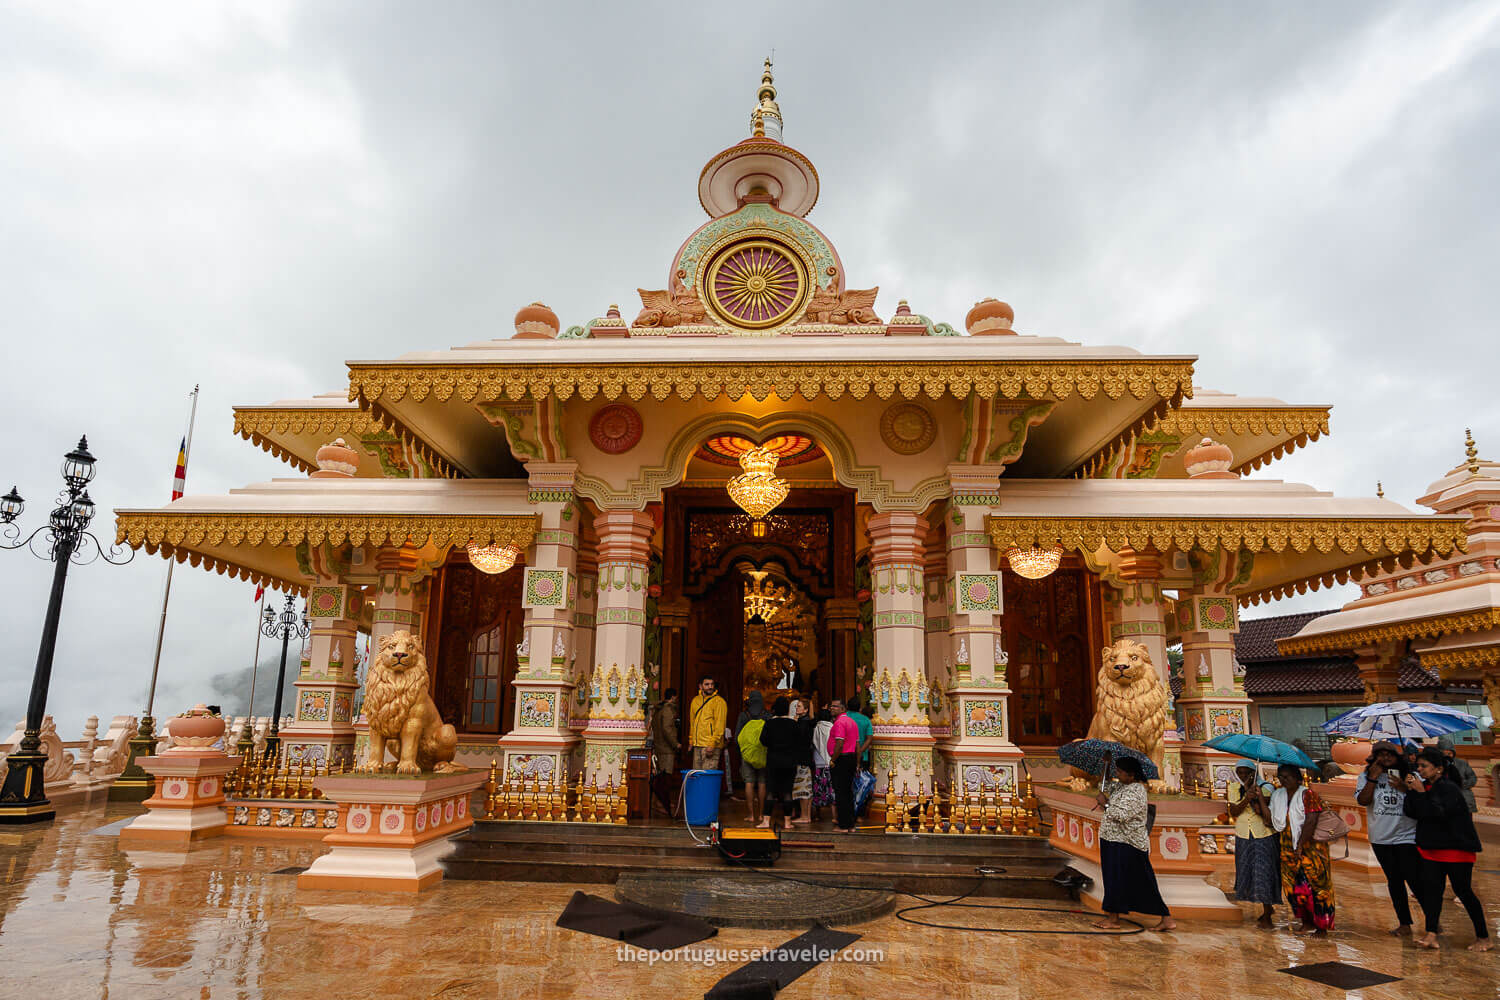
<point x="493" y="559"/>
<point x="1036" y="562"/>
<point x="763" y="597"/>
<point x="757" y="490"/>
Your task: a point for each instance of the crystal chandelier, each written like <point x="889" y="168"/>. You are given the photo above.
<point x="493" y="558"/>
<point x="1036" y="562"/>
<point x="757" y="490"/>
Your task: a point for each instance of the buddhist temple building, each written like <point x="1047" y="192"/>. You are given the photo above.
<point x="775" y="475"/>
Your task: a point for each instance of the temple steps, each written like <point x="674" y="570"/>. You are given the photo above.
<point x="928" y="864"/>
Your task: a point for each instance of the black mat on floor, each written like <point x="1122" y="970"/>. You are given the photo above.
<point x="636" y="925"/>
<point x="1340" y="975"/>
<point x="761" y="979"/>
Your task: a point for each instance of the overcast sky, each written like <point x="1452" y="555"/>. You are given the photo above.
<point x="247" y="194"/>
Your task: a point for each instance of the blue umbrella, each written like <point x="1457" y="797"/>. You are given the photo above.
<point x="1261" y="748"/>
<point x="1398" y="720"/>
<point x="1098" y="757"/>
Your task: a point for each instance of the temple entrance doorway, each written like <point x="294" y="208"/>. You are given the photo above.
<point x="771" y="610"/>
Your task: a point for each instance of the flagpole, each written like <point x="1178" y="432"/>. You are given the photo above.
<point x="166" y="592"/>
<point x="134" y="784"/>
<point x="247" y="738"/>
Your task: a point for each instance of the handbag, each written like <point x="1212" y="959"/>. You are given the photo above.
<point x="1331" y="826"/>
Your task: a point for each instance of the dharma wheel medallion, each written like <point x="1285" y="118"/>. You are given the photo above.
<point x="756" y="284"/>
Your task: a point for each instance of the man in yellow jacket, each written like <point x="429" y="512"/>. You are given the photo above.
<point x="706" y="719"/>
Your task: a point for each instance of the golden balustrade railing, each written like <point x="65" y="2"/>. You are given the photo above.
<point x="274" y="778"/>
<point x="991" y="810"/>
<point x="519" y="799"/>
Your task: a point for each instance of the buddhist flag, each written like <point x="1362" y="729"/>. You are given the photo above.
<point x="179" y="478"/>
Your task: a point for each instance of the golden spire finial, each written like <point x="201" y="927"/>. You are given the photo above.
<point x="1471" y="452"/>
<point x="765" y="120"/>
<point x="1380" y="489"/>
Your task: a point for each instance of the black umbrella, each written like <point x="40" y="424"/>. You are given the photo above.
<point x="1099" y="756"/>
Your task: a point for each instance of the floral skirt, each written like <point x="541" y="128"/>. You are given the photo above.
<point x="1307" y="881"/>
<point x="802" y="784"/>
<point x="822" y="786"/>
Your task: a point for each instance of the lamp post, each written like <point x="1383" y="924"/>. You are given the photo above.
<point x="65" y="538"/>
<point x="281" y="626"/>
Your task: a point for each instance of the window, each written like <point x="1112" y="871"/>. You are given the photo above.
<point x="484" y="679"/>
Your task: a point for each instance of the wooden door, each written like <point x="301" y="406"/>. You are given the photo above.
<point x="1048" y="626"/>
<point x="715" y="646"/>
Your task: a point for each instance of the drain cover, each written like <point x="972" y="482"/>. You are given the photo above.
<point x="750" y="899"/>
<point x="1340" y="975"/>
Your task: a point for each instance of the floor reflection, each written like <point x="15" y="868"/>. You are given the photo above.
<point x="79" y="918"/>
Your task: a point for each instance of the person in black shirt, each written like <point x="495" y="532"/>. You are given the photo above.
<point x="781" y="737"/>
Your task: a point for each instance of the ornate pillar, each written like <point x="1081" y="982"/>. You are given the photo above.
<point x="322" y="726"/>
<point x="398" y="597"/>
<point x="979" y="748"/>
<point x="617" y="687"/>
<point x="902" y="743"/>
<point x="1379" y="670"/>
<point x="935" y="622"/>
<point x="1213" y="694"/>
<point x="581" y="661"/>
<point x="1138" y="613"/>
<point x="540" y="739"/>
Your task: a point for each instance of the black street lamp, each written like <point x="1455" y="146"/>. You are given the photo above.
<point x="283" y="627"/>
<point x="64" y="538"/>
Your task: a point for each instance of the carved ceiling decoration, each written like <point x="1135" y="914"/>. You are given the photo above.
<point x="907" y="428"/>
<point x="714" y="534"/>
<point x="1169" y="380"/>
<point x="615" y="429"/>
<point x="791" y="449"/>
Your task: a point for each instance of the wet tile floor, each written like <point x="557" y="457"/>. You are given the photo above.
<point x="79" y="918"/>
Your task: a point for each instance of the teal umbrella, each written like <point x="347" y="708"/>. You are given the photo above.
<point x="1261" y="748"/>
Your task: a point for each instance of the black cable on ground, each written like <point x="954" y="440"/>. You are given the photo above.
<point x="956" y="901"/>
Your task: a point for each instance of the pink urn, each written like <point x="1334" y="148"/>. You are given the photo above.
<point x="990" y="317"/>
<point x="336" y="461"/>
<point x="196" y="730"/>
<point x="536" y="322"/>
<point x="1209" y="460"/>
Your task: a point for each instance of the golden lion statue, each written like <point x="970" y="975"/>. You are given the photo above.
<point x="1130" y="704"/>
<point x="400" y="711"/>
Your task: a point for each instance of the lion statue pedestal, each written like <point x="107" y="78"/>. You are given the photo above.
<point x="392" y="829"/>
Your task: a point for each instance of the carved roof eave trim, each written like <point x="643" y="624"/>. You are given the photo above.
<point x="259" y="425"/>
<point x="1169" y="380"/>
<point x="194" y="558"/>
<point x="1298" y="425"/>
<point x="182" y="536"/>
<point x="193" y="532"/>
<point x="1388" y="541"/>
<point x="1446" y="662"/>
<point x="1427" y="627"/>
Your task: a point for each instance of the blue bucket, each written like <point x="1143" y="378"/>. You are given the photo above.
<point x="701" y="794"/>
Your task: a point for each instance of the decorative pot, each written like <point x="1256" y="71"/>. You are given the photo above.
<point x="1351" y="754"/>
<point x="196" y="730"/>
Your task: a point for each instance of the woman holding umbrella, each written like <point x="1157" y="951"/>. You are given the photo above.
<point x="1306" y="870"/>
<point x="1124" y="851"/>
<point x="1257" y="853"/>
